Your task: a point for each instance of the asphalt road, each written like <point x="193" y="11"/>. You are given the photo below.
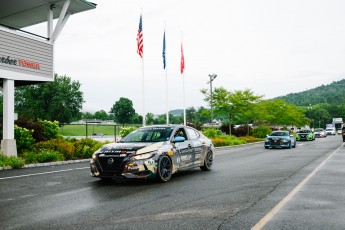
<point x="301" y="188"/>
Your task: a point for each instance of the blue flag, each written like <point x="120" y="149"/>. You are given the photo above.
<point x="163" y="54"/>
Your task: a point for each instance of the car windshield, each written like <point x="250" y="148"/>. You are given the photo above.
<point x="318" y="130"/>
<point x="304" y="131"/>
<point x="279" y="134"/>
<point x="149" y="134"/>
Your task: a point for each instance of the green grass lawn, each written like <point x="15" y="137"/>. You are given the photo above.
<point x="80" y="130"/>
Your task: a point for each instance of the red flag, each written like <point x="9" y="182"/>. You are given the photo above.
<point x="140" y="40"/>
<point x="182" y="60"/>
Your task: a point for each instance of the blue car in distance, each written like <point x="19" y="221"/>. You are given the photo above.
<point x="280" y="139"/>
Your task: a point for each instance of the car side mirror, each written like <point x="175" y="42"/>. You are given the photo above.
<point x="178" y="139"/>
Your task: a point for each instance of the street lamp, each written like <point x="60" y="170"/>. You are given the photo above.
<point x="212" y="77"/>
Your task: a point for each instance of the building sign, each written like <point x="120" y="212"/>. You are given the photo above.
<point x="20" y="62"/>
<point x="25" y="58"/>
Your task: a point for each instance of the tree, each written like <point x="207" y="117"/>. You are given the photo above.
<point x="60" y="100"/>
<point x="87" y="115"/>
<point x="123" y="111"/>
<point x="203" y="115"/>
<point x="150" y="118"/>
<point x="101" y="115"/>
<point x="231" y="104"/>
<point x="278" y="112"/>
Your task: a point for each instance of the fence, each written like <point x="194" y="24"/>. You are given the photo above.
<point x="94" y="130"/>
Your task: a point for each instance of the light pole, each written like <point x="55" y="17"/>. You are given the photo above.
<point x="212" y="77"/>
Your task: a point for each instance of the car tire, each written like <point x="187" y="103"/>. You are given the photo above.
<point x="294" y="146"/>
<point x="290" y="145"/>
<point x="208" y="161"/>
<point x="266" y="147"/>
<point x="164" y="169"/>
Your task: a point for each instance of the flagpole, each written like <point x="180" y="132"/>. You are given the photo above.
<point x="143" y="91"/>
<point x="184" y="102"/>
<point x="166" y="79"/>
<point x="141" y="53"/>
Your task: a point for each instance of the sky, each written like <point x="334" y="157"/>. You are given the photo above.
<point x="272" y="47"/>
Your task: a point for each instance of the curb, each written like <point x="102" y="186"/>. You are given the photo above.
<point x="48" y="164"/>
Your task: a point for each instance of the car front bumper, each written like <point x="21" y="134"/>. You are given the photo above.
<point x="277" y="145"/>
<point x="129" y="170"/>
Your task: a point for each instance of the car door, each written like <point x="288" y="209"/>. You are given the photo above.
<point x="196" y="145"/>
<point x="184" y="150"/>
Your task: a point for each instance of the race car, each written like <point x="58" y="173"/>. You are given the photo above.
<point x="153" y="152"/>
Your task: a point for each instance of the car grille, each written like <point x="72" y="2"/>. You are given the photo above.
<point x="303" y="136"/>
<point x="111" y="164"/>
<point x="276" y="142"/>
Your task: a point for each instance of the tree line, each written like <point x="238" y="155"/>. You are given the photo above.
<point x="62" y="100"/>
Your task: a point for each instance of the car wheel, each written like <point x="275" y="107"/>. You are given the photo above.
<point x="294" y="145"/>
<point x="290" y="145"/>
<point x="164" y="169"/>
<point x="208" y="161"/>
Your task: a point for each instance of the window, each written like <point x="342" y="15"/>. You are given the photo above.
<point x="181" y="133"/>
<point x="192" y="134"/>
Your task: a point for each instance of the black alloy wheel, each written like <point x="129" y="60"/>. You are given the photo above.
<point x="208" y="161"/>
<point x="164" y="169"/>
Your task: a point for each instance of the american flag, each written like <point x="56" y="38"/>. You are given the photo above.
<point x="182" y="60"/>
<point x="140" y="40"/>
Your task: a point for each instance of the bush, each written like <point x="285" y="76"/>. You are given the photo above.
<point x="225" y="128"/>
<point x="24" y="139"/>
<point x="225" y="140"/>
<point x="212" y="132"/>
<point x="51" y="130"/>
<point x="14" y="162"/>
<point x="42" y="130"/>
<point x="242" y="131"/>
<point x="42" y="156"/>
<point x="126" y="130"/>
<point x="84" y="148"/>
<point x="59" y="145"/>
<point x="250" y="139"/>
<point x="261" y="131"/>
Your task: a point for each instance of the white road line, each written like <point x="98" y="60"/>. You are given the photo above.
<point x="36" y="174"/>
<point x="286" y="199"/>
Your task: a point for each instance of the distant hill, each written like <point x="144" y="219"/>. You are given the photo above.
<point x="333" y="94"/>
<point x="176" y="112"/>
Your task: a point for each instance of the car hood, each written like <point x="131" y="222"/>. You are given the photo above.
<point x="277" y="137"/>
<point x="130" y="148"/>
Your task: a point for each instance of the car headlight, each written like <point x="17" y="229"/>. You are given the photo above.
<point x="285" y="140"/>
<point x="142" y="156"/>
<point x="94" y="155"/>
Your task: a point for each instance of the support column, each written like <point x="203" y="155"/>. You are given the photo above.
<point x="8" y="143"/>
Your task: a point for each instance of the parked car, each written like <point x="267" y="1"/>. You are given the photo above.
<point x="320" y="132"/>
<point x="330" y="131"/>
<point x="305" y="135"/>
<point x="153" y="152"/>
<point x="280" y="139"/>
<point x="343" y="133"/>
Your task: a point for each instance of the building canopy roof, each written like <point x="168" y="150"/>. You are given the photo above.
<point x="24" y="13"/>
